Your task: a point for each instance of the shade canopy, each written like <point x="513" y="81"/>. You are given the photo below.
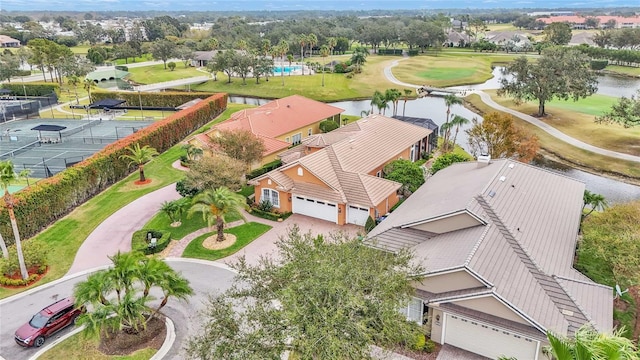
<point x="106" y="103"/>
<point x="49" y="128"/>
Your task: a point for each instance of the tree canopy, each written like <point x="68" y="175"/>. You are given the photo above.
<point x="625" y="112"/>
<point x="241" y="145"/>
<point x="558" y="74"/>
<point x="498" y="136"/>
<point x="557" y="33"/>
<point x="406" y="172"/>
<point x="322" y="299"/>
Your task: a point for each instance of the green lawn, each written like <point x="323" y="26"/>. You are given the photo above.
<point x="189" y="224"/>
<point x="625" y="70"/>
<point x="245" y="234"/>
<point x="66" y="235"/>
<point x="143" y="58"/>
<point x="78" y="347"/>
<point x="157" y="73"/>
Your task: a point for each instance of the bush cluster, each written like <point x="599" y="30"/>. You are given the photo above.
<point x="140" y="241"/>
<point x="599" y="64"/>
<point x="389" y="51"/>
<point x="32" y="88"/>
<point x="269" y="215"/>
<point x="35" y="255"/>
<point x="19" y="282"/>
<point x="47" y="201"/>
<point x="342" y="68"/>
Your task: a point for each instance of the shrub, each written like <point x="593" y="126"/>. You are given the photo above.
<point x="159" y="99"/>
<point x="33" y="88"/>
<point x="599" y="64"/>
<point x="328" y="125"/>
<point x="140" y="240"/>
<point x="413" y="52"/>
<point x="18" y="282"/>
<point x="43" y="203"/>
<point x="265" y="169"/>
<point x="269" y="215"/>
<point x="446" y="160"/>
<point x="369" y="225"/>
<point x="35" y="255"/>
<point x="265" y="205"/>
<point x="419" y="342"/>
<point x="185" y="190"/>
<point x="429" y="346"/>
<point x="349" y="75"/>
<point x="122" y="67"/>
<point x="171" y="65"/>
<point x="342" y="68"/>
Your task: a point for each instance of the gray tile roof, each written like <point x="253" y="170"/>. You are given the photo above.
<point x="525" y="250"/>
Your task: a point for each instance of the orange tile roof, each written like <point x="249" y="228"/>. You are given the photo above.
<point x="272" y="145"/>
<point x="280" y="116"/>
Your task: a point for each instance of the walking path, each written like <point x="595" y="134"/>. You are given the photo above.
<point x="486" y="98"/>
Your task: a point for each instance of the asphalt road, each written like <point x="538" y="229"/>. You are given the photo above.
<point x="205" y="278"/>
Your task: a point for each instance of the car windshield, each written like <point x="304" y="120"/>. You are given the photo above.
<point x="38" y="321"/>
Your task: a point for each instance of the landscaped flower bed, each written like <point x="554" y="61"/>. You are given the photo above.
<point x="141" y="240"/>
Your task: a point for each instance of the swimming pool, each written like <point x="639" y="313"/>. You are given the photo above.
<point x="286" y="69"/>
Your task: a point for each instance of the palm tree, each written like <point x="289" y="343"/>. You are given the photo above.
<point x="88" y="84"/>
<point x="215" y="204"/>
<point x="171" y="285"/>
<point x="242" y="45"/>
<point x="302" y="40"/>
<point x="193" y="152"/>
<point x="283" y="48"/>
<point x="449" y="100"/>
<point x="376" y="101"/>
<point x="359" y="57"/>
<point x="7" y="176"/>
<point x="139" y="156"/>
<point x="331" y="43"/>
<point x="213" y="44"/>
<point x="265" y="47"/>
<point x="407" y="92"/>
<point x="174" y="209"/>
<point x="24" y="174"/>
<point x="74" y="81"/>
<point x="594" y="202"/>
<point x="312" y="40"/>
<point x="393" y="95"/>
<point x="589" y="344"/>
<point x="457" y="122"/>
<point x="324" y="52"/>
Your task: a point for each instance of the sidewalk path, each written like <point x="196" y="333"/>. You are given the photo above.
<point x="114" y="234"/>
<point x="486" y="98"/>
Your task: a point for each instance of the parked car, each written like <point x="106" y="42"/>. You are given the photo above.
<point x="47" y="322"/>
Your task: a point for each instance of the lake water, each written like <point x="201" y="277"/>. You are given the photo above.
<point x="434" y="108"/>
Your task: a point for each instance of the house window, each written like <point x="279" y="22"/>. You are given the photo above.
<point x="300" y="171"/>
<point x="379" y="173"/>
<point x="286" y="139"/>
<point x="414" y="310"/>
<point x="310" y="132"/>
<point x="271" y="196"/>
<point x="296" y="139"/>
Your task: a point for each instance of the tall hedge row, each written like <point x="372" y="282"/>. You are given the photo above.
<point x="47" y="201"/>
<point x="32" y="88"/>
<point x="167" y="98"/>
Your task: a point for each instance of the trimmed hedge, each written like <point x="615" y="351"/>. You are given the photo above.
<point x="599" y="64"/>
<point x="158" y="99"/>
<point x="50" y="199"/>
<point x="265" y="169"/>
<point x="139" y="241"/>
<point x="32" y="88"/>
<point x="269" y="215"/>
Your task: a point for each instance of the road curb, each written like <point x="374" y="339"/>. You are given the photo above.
<point x="56" y="342"/>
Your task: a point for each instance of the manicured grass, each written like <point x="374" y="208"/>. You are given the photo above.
<point x="578" y="157"/>
<point x="143" y="58"/>
<point x="144" y="114"/>
<point x="577" y="119"/>
<point x="157" y="73"/>
<point x="625" y="70"/>
<point x="67" y="234"/>
<point x="245" y="234"/>
<point x="247" y="191"/>
<point x="449" y="68"/>
<point x="78" y="347"/>
<point x="189" y="224"/>
<point x="231" y="108"/>
<point x="337" y="86"/>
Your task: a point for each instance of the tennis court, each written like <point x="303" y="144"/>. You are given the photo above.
<point x="47" y="152"/>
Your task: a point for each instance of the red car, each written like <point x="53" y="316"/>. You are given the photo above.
<point x="47" y="322"/>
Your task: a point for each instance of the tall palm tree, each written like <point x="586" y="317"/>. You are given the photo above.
<point x="74" y="81"/>
<point x="174" y="209"/>
<point x="359" y="57"/>
<point x="172" y="285"/>
<point x="457" y="121"/>
<point x="407" y="92"/>
<point x="449" y="100"/>
<point x="242" y="45"/>
<point x="215" y="204"/>
<point x="588" y="344"/>
<point x="283" y="48"/>
<point x="302" y="40"/>
<point x="331" y="43"/>
<point x="139" y="156"/>
<point x="594" y="202"/>
<point x="7" y="176"/>
<point x="377" y="100"/>
<point x="25" y="174"/>
<point x="265" y="46"/>
<point x="324" y="52"/>
<point x="312" y="40"/>
<point x="88" y="84"/>
<point x="393" y="95"/>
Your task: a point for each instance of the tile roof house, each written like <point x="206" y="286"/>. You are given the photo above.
<point x="338" y="176"/>
<point x="497" y="241"/>
<point x="280" y="124"/>
<point x="7" y="41"/>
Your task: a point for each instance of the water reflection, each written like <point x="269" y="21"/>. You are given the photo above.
<point x="609" y="85"/>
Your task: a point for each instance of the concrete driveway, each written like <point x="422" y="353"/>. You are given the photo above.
<point x="266" y="244"/>
<point x="205" y="277"/>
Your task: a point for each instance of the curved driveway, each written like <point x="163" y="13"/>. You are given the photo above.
<point x="530" y="119"/>
<point x="205" y="277"/>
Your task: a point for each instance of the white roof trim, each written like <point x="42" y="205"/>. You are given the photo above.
<point x="444" y="216"/>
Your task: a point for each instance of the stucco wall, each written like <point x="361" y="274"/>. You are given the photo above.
<point x="458" y="280"/>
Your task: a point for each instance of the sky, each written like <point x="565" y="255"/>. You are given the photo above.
<point x="262" y="5"/>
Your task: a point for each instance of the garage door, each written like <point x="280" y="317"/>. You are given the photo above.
<point x="487" y="340"/>
<point x="357" y="215"/>
<point x="315" y="208"/>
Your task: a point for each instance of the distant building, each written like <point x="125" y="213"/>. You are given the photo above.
<point x="7" y="42"/>
<point x="578" y="22"/>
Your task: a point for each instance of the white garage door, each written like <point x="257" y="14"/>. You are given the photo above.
<point x="315" y="208"/>
<point x="357" y="215"/>
<point x="487" y="340"/>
